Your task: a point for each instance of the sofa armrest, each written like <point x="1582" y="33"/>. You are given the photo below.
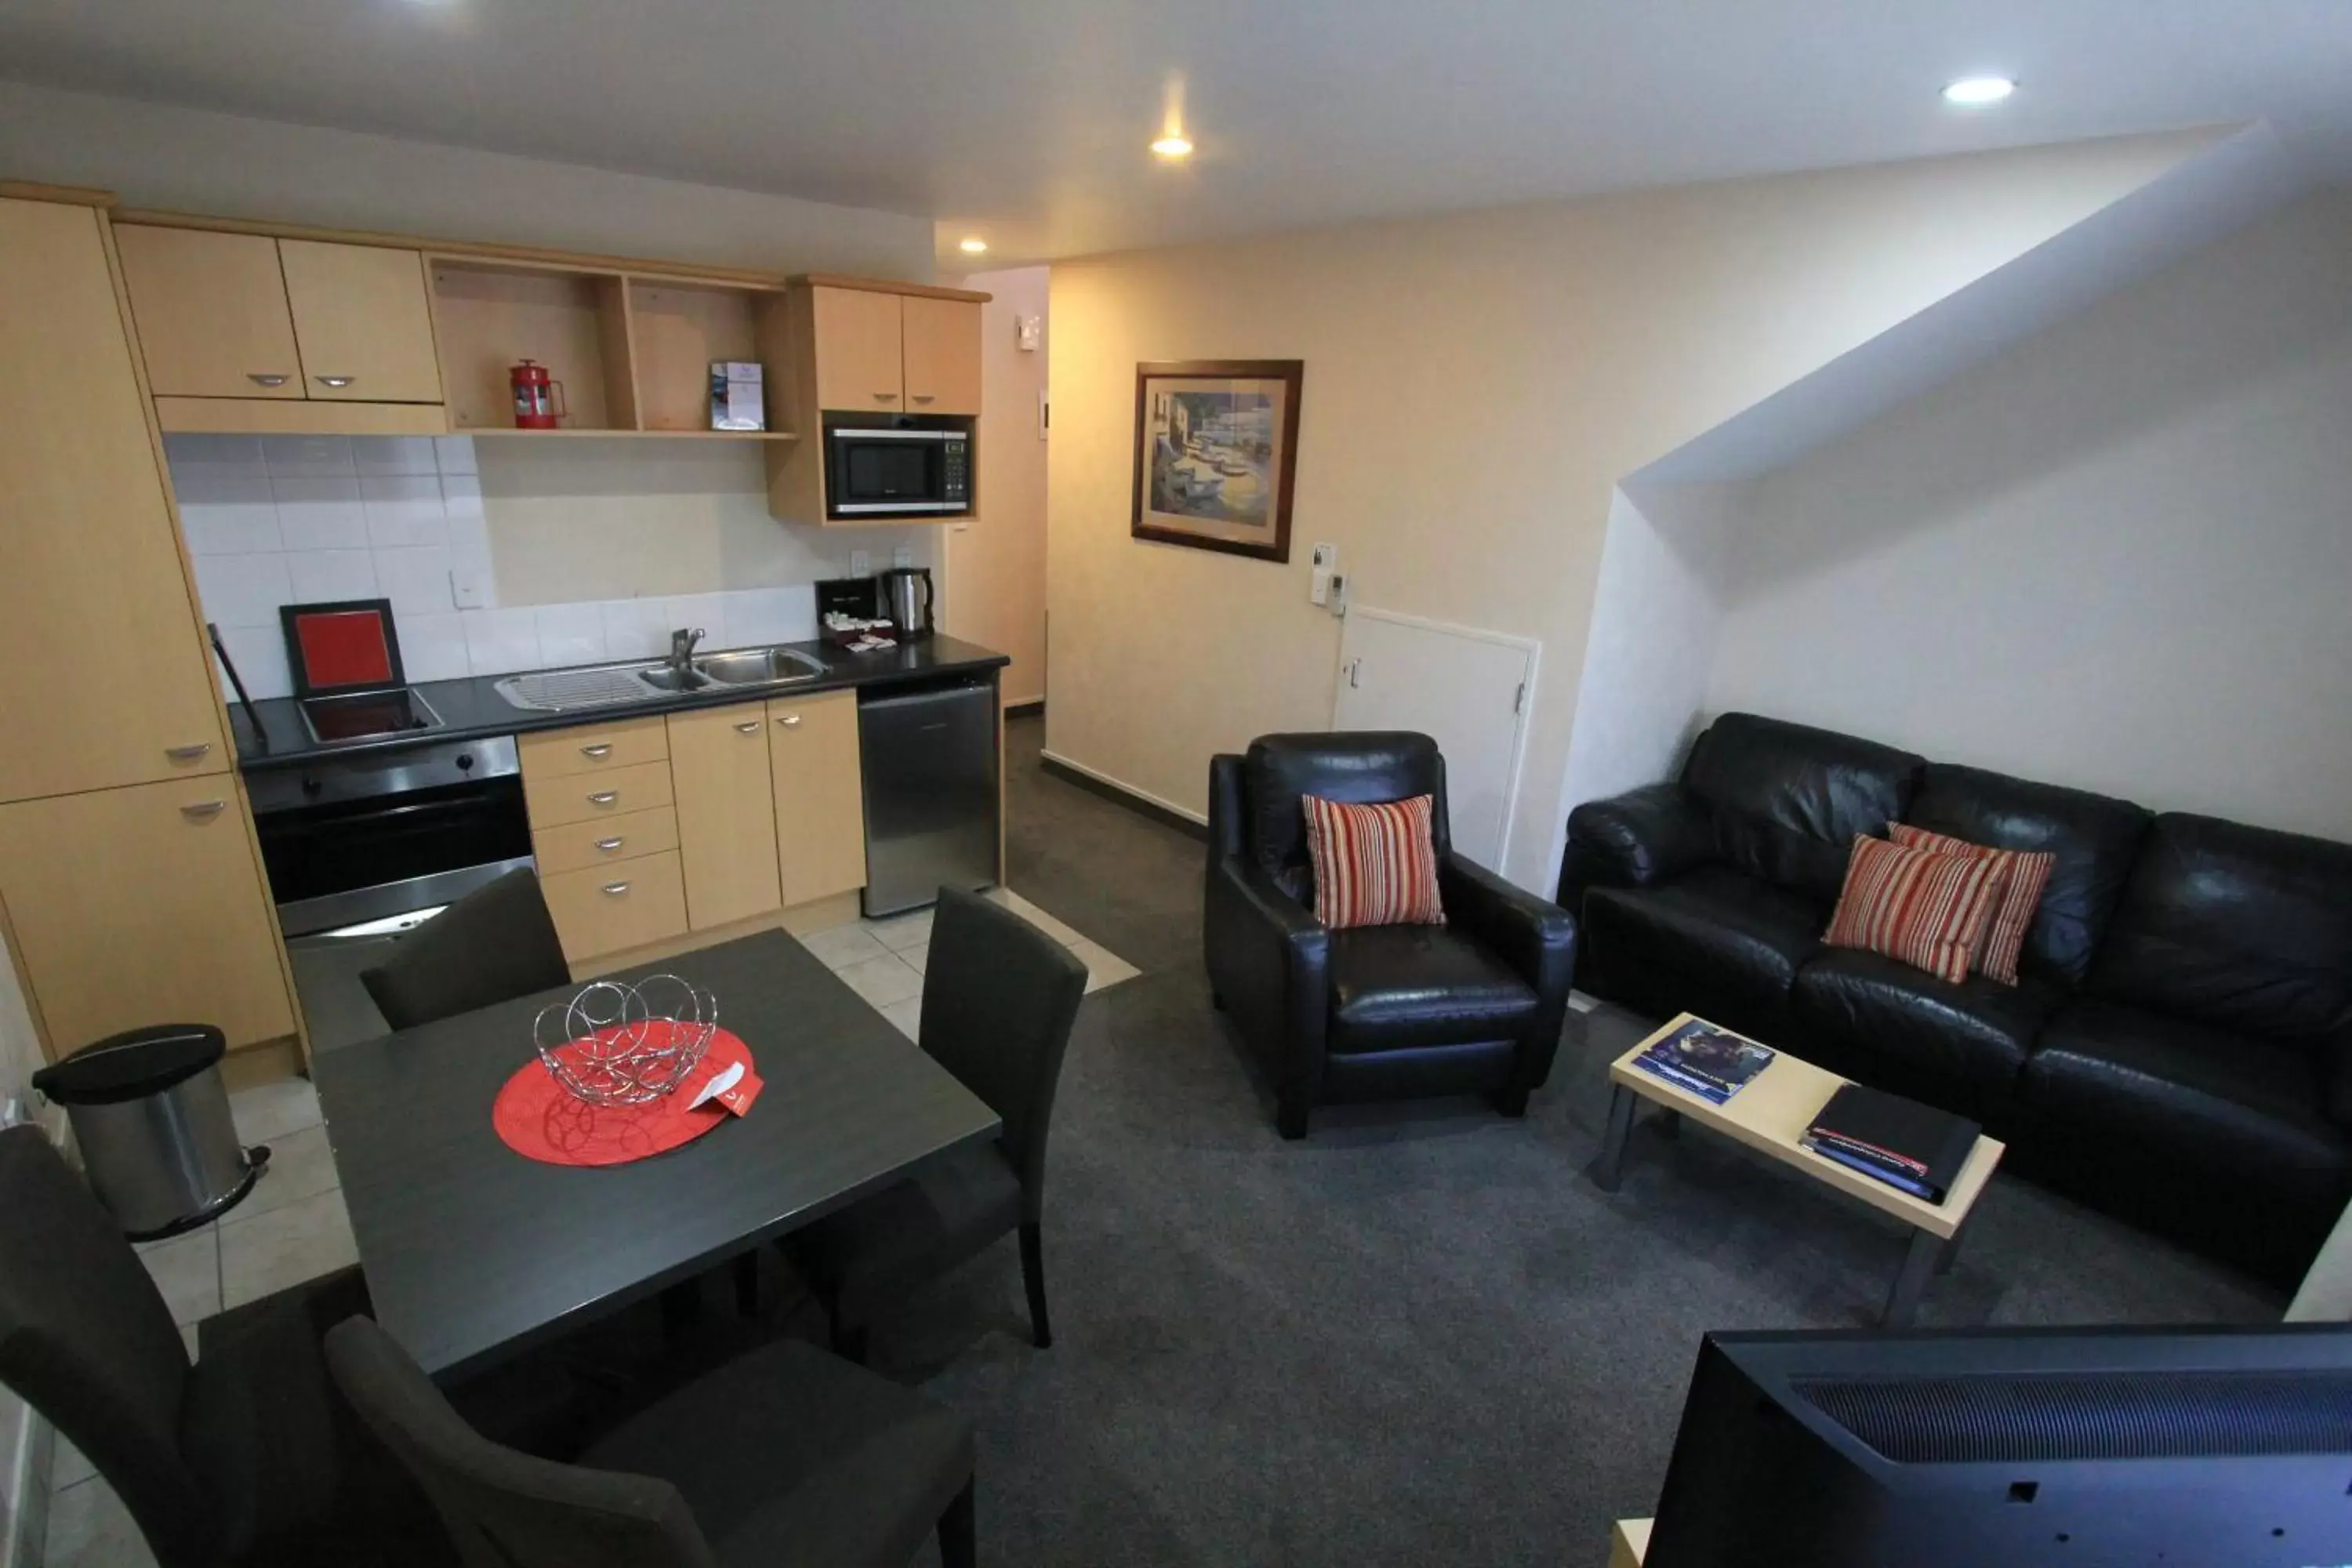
<point x="1637" y="840"/>
<point x="1270" y="960"/>
<point x="1534" y="936"/>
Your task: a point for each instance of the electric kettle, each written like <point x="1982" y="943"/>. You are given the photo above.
<point x="906" y="595"/>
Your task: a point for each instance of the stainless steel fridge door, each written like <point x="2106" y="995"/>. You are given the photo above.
<point x="930" y="762"/>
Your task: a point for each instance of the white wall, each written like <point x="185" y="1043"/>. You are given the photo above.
<point x="2117" y="556"/>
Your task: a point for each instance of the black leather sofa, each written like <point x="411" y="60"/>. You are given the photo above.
<point x="1381" y="1012"/>
<point x="2179" y="1051"/>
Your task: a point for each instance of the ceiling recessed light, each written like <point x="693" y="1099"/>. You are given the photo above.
<point x="972" y="247"/>
<point x="1172" y="146"/>
<point x="1974" y="91"/>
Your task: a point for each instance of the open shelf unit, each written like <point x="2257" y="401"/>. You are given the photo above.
<point x="631" y="351"/>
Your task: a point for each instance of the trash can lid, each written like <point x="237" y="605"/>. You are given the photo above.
<point x="133" y="1064"/>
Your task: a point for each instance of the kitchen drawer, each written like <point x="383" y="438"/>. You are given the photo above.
<point x="591" y="796"/>
<point x="605" y="840"/>
<point x="607" y="909"/>
<point x="596" y="748"/>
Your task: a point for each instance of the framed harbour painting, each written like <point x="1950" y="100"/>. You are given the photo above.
<point x="1216" y="450"/>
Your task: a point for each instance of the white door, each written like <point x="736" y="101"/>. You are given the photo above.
<point x="1468" y="688"/>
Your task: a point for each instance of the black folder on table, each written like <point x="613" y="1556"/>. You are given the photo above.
<point x="1914" y="1147"/>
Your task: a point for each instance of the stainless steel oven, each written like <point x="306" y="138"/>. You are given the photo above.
<point x="909" y="465"/>
<point x="350" y="840"/>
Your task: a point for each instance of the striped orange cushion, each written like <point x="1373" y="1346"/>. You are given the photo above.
<point x="1374" y="865"/>
<point x="1916" y="907"/>
<point x="2027" y="872"/>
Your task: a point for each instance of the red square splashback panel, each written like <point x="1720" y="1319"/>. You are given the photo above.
<point x="346" y="648"/>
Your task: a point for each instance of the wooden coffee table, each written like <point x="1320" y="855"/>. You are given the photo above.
<point x="1769" y="1114"/>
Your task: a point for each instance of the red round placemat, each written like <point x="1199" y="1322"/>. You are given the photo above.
<point x="538" y="1118"/>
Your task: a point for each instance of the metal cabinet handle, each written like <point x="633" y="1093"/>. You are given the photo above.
<point x="203" y="810"/>
<point x="597" y="753"/>
<point x="790" y="720"/>
<point x="188" y="753"/>
<point x="260" y="378"/>
<point x="338" y="380"/>
<point x="614" y="890"/>
<point x="608" y="845"/>
<point x="886" y="397"/>
<point x="923" y="396"/>
<point x="605" y="797"/>
<point x="751" y="729"/>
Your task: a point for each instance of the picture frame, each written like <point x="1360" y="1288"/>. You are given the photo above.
<point x="1216" y="454"/>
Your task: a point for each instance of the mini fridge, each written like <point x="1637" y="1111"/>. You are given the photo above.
<point x="930" y="762"/>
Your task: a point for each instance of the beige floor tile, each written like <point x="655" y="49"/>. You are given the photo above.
<point x="843" y="946"/>
<point x="900" y="933"/>
<point x="68" y="1467"/>
<point x="300" y="1166"/>
<point x="1060" y="932"/>
<point x="907" y="1015"/>
<point x="188" y="1338"/>
<point x="919" y="958"/>
<point x="270" y="1252"/>
<point x="186" y="1268"/>
<point x="883" y="981"/>
<point x="1104" y="967"/>
<point x="269" y="1112"/>
<point x="89" y="1528"/>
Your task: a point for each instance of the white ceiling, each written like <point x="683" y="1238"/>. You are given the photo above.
<point x="1026" y="121"/>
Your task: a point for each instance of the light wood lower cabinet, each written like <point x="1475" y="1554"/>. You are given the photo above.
<point x="820" y="794"/>
<point x="592" y="748"/>
<point x="607" y="909"/>
<point x="590" y="797"/>
<point x="726" y="814"/>
<point x="144" y="905"/>
<point x="578" y="845"/>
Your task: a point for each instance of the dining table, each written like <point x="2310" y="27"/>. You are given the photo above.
<point x="474" y="1253"/>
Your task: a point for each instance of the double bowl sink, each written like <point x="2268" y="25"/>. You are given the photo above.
<point x="610" y="685"/>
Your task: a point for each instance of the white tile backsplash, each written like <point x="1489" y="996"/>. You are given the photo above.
<point x="404" y="511"/>
<point x="317" y="512"/>
<point x="323" y="575"/>
<point x="500" y="641"/>
<point x="571" y="634"/>
<point x="275" y="520"/>
<point x="244" y="590"/>
<point x="416" y="581"/>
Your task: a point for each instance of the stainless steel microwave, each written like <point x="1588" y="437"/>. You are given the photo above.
<point x="908" y="467"/>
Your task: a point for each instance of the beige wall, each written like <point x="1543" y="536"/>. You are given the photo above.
<point x="1475" y="385"/>
<point x="994" y="580"/>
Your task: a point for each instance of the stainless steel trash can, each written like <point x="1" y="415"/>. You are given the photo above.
<point x="151" y="1114"/>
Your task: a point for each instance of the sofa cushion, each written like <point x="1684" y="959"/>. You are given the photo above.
<point x="1902" y="1029"/>
<point x="1373" y="863"/>
<point x="2240" y="928"/>
<point x="2226" y="1103"/>
<point x="1354" y="766"/>
<point x="1394" y="987"/>
<point x="1915" y="906"/>
<point x="2022" y="873"/>
<point x="1717" y="942"/>
<point x="2094" y="836"/>
<point x="1788" y="800"/>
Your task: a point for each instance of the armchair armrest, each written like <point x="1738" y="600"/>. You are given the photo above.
<point x="1637" y="840"/>
<point x="1269" y="960"/>
<point x="1536" y="936"/>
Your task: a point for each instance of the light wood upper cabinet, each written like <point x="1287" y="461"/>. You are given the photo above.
<point x="212" y="314"/>
<point x="726" y="814"/>
<point x="856" y="335"/>
<point x="104" y="679"/>
<point x="820" y="796"/>
<point x="143" y="906"/>
<point x="361" y="322"/>
<point x="941" y="352"/>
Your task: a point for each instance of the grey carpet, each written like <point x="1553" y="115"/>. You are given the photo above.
<point x="1421" y="1337"/>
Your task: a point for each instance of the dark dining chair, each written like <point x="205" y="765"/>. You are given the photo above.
<point x="494" y="944"/>
<point x="998" y="999"/>
<point x="246" y="1455"/>
<point x="784" y="1456"/>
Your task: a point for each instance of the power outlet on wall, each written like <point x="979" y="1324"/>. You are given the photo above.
<point x="903" y="556"/>
<point x="861" y="563"/>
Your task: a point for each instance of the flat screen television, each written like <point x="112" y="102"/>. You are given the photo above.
<point x="2014" y="1450"/>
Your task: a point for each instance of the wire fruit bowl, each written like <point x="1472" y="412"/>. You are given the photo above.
<point x="618" y="1044"/>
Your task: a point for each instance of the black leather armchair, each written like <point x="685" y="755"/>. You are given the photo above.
<point x="1382" y="1012"/>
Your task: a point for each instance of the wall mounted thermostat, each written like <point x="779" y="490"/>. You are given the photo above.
<point x="1322" y="562"/>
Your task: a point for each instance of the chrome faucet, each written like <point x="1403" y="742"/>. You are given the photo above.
<point x="681" y="653"/>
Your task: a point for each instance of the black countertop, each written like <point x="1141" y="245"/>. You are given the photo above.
<point x="472" y="709"/>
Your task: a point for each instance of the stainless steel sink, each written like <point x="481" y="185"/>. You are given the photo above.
<point x="760" y="666"/>
<point x="664" y="678"/>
